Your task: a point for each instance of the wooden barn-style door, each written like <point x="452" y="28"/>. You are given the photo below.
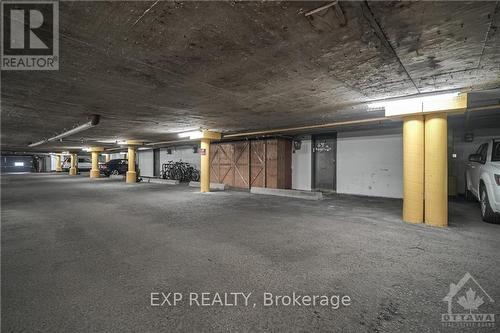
<point x="230" y="164"/>
<point x="258" y="163"/>
<point x="255" y="163"/>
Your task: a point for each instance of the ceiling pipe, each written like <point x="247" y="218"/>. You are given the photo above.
<point x="93" y="122"/>
<point x="309" y="127"/>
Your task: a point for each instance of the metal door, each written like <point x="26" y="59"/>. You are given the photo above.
<point x="324" y="160"/>
<point x="156" y="162"/>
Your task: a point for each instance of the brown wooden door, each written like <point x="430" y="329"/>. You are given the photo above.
<point x="226" y="170"/>
<point x="272" y="163"/>
<point x="241" y="164"/>
<point x="214" y="164"/>
<point x="258" y="163"/>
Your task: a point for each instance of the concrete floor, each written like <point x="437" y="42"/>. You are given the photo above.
<point x="84" y="256"/>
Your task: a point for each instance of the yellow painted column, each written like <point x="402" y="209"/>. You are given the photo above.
<point x="73" y="169"/>
<point x="205" y="166"/>
<point x="436" y="169"/>
<point x="94" y="172"/>
<point x="413" y="169"/>
<point x="131" y="173"/>
<point x="58" y="163"/>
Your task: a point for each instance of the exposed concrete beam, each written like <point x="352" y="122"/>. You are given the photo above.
<point x="368" y="14"/>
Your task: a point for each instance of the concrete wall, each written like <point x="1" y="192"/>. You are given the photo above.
<point x="370" y="163"/>
<point x="145" y="162"/>
<point x="301" y="166"/>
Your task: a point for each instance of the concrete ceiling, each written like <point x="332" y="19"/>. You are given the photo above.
<point x="151" y="69"/>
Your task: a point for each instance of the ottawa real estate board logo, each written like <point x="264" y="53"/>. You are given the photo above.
<point x="467" y="302"/>
<point x="30" y="35"/>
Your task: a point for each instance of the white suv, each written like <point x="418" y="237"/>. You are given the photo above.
<point x="482" y="179"/>
<point x="84" y="163"/>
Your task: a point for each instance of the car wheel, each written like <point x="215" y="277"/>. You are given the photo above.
<point x="486" y="212"/>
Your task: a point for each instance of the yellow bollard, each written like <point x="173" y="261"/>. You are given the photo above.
<point x="436" y="170"/>
<point x="413" y="169"/>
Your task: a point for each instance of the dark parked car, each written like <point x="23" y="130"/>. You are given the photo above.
<point x="115" y="167"/>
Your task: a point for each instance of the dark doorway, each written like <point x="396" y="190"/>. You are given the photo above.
<point x="156" y="162"/>
<point x="325" y="162"/>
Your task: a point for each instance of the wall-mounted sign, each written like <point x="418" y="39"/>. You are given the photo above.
<point x="322" y="147"/>
<point x="202" y="151"/>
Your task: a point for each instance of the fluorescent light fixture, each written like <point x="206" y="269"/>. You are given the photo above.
<point x="429" y="103"/>
<point x="18" y="164"/>
<point x="87" y="149"/>
<point x="123" y="152"/>
<point x="143" y="148"/>
<point x="78" y="129"/>
<point x="191" y="135"/>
